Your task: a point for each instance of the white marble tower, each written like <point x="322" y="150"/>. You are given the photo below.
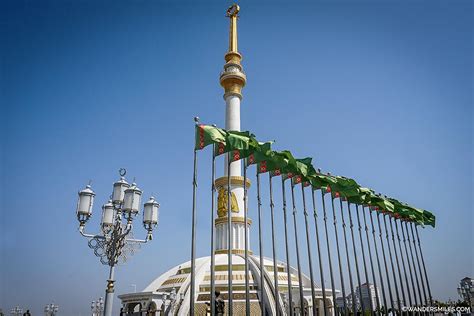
<point x="232" y="79"/>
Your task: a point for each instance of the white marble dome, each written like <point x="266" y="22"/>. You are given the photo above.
<point x="155" y="298"/>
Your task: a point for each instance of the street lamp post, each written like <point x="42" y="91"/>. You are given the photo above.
<point x="116" y="242"/>
<point x="51" y="310"/>
<point x="16" y="311"/>
<point x="97" y="307"/>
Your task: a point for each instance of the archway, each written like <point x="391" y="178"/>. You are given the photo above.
<point x="134" y="309"/>
<point x="152" y="309"/>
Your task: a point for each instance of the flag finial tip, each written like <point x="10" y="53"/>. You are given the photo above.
<point x="196" y="119"/>
<point x="122" y="172"/>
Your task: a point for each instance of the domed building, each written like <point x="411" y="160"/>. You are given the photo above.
<point x="170" y="293"/>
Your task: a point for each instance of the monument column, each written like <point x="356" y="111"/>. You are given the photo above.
<point x="232" y="79"/>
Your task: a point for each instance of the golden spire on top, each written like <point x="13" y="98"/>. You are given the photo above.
<point x="233" y="78"/>
<point x="233" y="14"/>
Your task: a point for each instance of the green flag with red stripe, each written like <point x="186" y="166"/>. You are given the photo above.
<point x="346" y="187"/>
<point x="239" y="144"/>
<point x="304" y="170"/>
<point x="413" y="214"/>
<point x="262" y="153"/>
<point x="280" y="163"/>
<point x="299" y="179"/>
<point x="361" y="198"/>
<point x="207" y="135"/>
<point x="380" y="203"/>
<point x="321" y="181"/>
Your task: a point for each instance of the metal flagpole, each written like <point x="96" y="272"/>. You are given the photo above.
<point x="260" y="246"/>
<point x="339" y="256"/>
<point x="310" y="261"/>
<point x="275" y="266"/>
<point x="229" y="239"/>
<point x="288" y="271"/>
<point x="213" y="258"/>
<point x="408" y="263"/>
<point x="246" y="246"/>
<point x="333" y="288"/>
<point x="323" y="287"/>
<point x="300" y="279"/>
<point x="354" y="308"/>
<point x="424" y="267"/>
<point x="393" y="266"/>
<point x="413" y="263"/>
<point x="385" y="263"/>
<point x="419" y="265"/>
<point x="398" y="264"/>
<point x="371" y="262"/>
<point x="403" y="264"/>
<point x="355" y="257"/>
<point x="378" y="262"/>
<point x="193" y="232"/>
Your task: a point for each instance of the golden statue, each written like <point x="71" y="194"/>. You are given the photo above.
<point x="222" y="203"/>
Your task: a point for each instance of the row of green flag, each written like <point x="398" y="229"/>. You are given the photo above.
<point x="243" y="145"/>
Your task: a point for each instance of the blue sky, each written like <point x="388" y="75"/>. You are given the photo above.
<point x="380" y="91"/>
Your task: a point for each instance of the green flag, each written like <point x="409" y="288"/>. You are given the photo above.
<point x="402" y="210"/>
<point x="287" y="175"/>
<point x="336" y="195"/>
<point x="240" y="144"/>
<point x="346" y="187"/>
<point x="274" y="162"/>
<point x="291" y="168"/>
<point x="262" y="153"/>
<point x="413" y="214"/>
<point x="281" y="163"/>
<point x="304" y="170"/>
<point x="361" y="198"/>
<point x="207" y="134"/>
<point x="321" y="181"/>
<point x="304" y="167"/>
<point x="416" y="215"/>
<point x="380" y="203"/>
<point x="299" y="179"/>
<point x="429" y="218"/>
<point x="273" y="173"/>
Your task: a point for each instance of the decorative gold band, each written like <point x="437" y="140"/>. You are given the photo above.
<point x="233" y="57"/>
<point x="235" y="219"/>
<point x="234" y="251"/>
<point x="234" y="180"/>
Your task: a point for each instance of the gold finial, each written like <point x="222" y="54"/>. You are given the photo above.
<point x="233" y="10"/>
<point x="233" y="77"/>
<point x="233" y="14"/>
